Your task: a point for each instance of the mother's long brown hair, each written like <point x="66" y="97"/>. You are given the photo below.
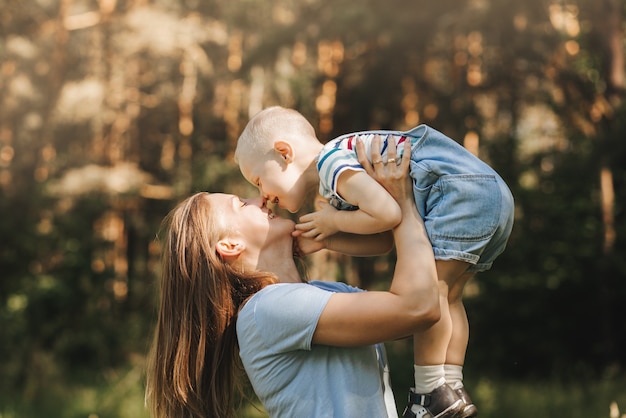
<point x="194" y="368"/>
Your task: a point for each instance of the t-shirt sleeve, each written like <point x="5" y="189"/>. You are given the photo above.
<point x="333" y="162"/>
<point x="338" y="287"/>
<point x="287" y="315"/>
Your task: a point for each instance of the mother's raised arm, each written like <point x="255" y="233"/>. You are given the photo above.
<point x="412" y="302"/>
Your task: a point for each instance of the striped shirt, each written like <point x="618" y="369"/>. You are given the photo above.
<point x="339" y="155"/>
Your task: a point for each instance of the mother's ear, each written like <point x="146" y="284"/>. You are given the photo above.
<point x="229" y="248"/>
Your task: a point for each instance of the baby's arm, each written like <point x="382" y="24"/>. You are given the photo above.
<point x="346" y="243"/>
<point x="377" y="212"/>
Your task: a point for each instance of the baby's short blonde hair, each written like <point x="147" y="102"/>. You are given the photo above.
<point x="269" y="125"/>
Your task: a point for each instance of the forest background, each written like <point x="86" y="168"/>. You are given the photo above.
<point x="111" y="111"/>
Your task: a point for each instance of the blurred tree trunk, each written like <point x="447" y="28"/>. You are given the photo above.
<point x="609" y="37"/>
<point x="45" y="160"/>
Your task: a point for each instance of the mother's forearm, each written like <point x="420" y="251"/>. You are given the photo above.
<point x="360" y="245"/>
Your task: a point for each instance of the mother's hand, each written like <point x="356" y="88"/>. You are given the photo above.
<point x="392" y="176"/>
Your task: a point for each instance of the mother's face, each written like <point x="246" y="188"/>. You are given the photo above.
<point x="250" y="220"/>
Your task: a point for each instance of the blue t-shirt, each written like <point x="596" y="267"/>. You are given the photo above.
<point x="291" y="376"/>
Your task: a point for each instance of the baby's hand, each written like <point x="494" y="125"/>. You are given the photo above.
<point x="304" y="246"/>
<point x="318" y="225"/>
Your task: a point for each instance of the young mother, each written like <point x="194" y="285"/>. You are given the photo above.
<point x="231" y="295"/>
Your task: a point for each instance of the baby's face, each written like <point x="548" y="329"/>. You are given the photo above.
<point x="276" y="180"/>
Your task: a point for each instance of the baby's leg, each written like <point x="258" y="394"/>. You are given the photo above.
<point x="430" y="350"/>
<point x="431" y="346"/>
<point x="460" y="325"/>
<point x="455" y="356"/>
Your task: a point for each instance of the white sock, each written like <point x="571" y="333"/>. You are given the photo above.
<point x="428" y="378"/>
<point x="454" y="375"/>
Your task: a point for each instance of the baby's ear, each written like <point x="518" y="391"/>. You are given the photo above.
<point x="285" y="150"/>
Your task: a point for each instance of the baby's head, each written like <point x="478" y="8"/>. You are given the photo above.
<point x="274" y="150"/>
<point x="271" y="124"/>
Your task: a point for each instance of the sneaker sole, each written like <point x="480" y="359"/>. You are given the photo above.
<point x="456" y="408"/>
<point x="469" y="411"/>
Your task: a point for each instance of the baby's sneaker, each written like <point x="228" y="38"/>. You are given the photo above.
<point x="443" y="402"/>
<point x="416" y="411"/>
<point x="469" y="409"/>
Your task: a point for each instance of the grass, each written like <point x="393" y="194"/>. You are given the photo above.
<point x="116" y="394"/>
<point x="120" y="395"/>
<point x="550" y="399"/>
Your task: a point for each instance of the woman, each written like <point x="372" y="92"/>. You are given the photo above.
<point x="229" y="281"/>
